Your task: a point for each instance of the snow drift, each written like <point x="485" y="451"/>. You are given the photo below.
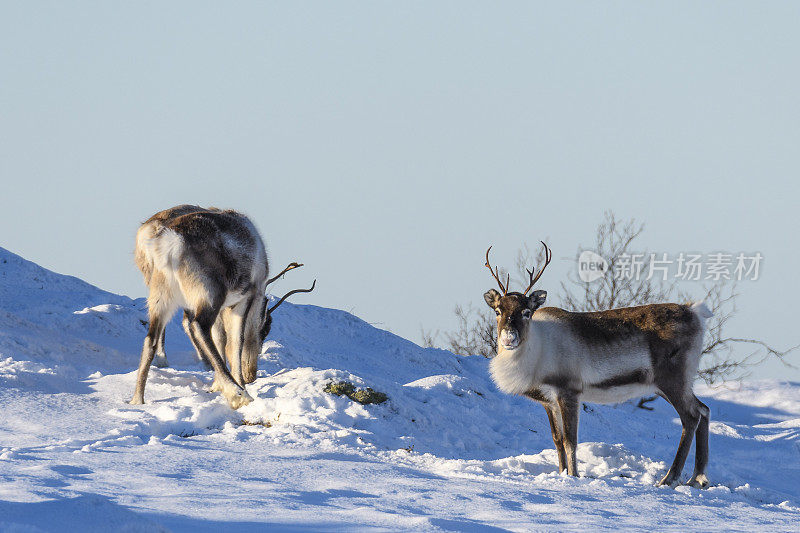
<point x="447" y="450"/>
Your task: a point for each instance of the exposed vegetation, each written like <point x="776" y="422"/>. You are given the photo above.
<point x="266" y="424"/>
<point x="363" y="396"/>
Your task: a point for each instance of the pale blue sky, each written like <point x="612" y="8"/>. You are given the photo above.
<point x="387" y="144"/>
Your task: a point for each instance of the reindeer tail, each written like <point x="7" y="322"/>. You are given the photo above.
<point x="701" y="310"/>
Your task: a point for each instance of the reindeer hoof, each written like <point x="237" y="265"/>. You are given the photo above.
<point x="698" y="481"/>
<point x="137" y="401"/>
<point x="161" y="362"/>
<point x="668" y="481"/>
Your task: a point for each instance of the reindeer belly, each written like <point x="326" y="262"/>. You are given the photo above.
<point x="617" y="383"/>
<point x="616" y="394"/>
<point x="617" y="376"/>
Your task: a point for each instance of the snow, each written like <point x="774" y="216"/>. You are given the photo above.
<point x="447" y="451"/>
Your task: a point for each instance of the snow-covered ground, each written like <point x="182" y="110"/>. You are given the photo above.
<point x="447" y="451"/>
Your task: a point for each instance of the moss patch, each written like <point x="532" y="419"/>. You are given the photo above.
<point x="362" y="396"/>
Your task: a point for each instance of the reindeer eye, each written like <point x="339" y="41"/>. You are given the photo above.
<point x="526" y="313"/>
<point x="497" y="312"/>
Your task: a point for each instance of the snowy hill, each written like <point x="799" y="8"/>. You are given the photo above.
<point x="447" y="451"/>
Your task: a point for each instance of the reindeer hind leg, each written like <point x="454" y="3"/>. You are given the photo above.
<point x="699" y="478"/>
<point x="161" y="355"/>
<point x="160" y="307"/>
<point x="690" y="418"/>
<point x="154" y="333"/>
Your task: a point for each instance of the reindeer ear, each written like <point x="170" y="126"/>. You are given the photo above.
<point x="536" y="299"/>
<point x="492" y="298"/>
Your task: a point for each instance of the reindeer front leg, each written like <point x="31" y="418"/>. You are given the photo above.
<point x="200" y="326"/>
<point x="200" y="357"/>
<point x="569" y="406"/>
<point x="556" y="425"/>
<point x="556" y="429"/>
<point x="237" y="324"/>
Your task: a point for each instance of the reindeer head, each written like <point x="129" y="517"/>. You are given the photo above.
<point x="514" y="309"/>
<point x="260" y="326"/>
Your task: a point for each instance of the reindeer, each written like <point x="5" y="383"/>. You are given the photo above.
<point x="212" y="263"/>
<point x="561" y="358"/>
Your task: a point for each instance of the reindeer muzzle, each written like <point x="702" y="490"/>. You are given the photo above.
<point x="509" y="339"/>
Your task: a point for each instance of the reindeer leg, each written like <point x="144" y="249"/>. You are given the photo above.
<point x="221" y="342"/>
<point x="236" y="336"/>
<point x="200" y="327"/>
<point x="556" y="424"/>
<point x="558" y="435"/>
<point x="200" y="356"/>
<point x="690" y="417"/>
<point x="161" y="355"/>
<point x="570" y="409"/>
<point x="154" y="332"/>
<point x="699" y="478"/>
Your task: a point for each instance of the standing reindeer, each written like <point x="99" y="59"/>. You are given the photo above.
<point x="560" y="358"/>
<point x="211" y="263"/>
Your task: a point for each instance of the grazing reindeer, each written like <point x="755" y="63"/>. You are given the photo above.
<point x="212" y="264"/>
<point x="560" y="358"/>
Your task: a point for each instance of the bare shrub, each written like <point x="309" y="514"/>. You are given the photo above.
<point x="474" y="334"/>
<point x="614" y="239"/>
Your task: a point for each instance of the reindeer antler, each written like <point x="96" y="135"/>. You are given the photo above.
<point x="289" y="267"/>
<point x="496" y="274"/>
<point x="271" y="309"/>
<point x="548" y="255"/>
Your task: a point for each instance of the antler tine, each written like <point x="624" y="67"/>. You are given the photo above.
<point x="548" y="255"/>
<point x="271" y="309"/>
<point x="496" y="274"/>
<point x="290" y="266"/>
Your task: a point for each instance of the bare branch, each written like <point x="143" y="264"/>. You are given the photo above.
<point x="429" y="337"/>
<point x="613" y="240"/>
<point x="475" y="333"/>
<point x="644" y="400"/>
